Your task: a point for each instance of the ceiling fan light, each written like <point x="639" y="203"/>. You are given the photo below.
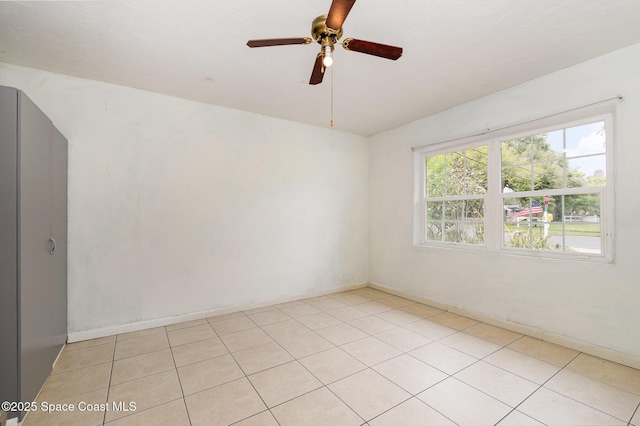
<point x="328" y="56"/>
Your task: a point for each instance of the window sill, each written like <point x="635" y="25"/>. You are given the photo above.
<point x="520" y="253"/>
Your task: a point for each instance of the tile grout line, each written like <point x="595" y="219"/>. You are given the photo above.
<point x="246" y="377"/>
<point x="633" y="414"/>
<point x="367" y="366"/>
<point x="411" y="393"/>
<point x="580" y="402"/>
<point x="407" y="353"/>
<point x="448" y="376"/>
<point x="539" y="385"/>
<point x="341" y="349"/>
<point x="452" y="376"/>
<point x="310" y="372"/>
<point x="322" y="384"/>
<point x="148" y="375"/>
<point x="542" y="385"/>
<point x="184" y="400"/>
<point x="113" y="359"/>
<point x="299" y="363"/>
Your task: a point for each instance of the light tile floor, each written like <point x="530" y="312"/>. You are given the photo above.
<point x="361" y="357"/>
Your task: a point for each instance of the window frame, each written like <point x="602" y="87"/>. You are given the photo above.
<point x="445" y="198"/>
<point x="494" y="197"/>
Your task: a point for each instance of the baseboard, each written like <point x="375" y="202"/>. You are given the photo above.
<point x="79" y="336"/>
<point x="11" y="422"/>
<point x="550" y="337"/>
<point x="55" y="361"/>
<point x="588" y="348"/>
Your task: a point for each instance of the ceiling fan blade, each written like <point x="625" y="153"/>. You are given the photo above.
<point x="278" y="41"/>
<point x="318" y="71"/>
<point x="338" y="13"/>
<point x="371" y="48"/>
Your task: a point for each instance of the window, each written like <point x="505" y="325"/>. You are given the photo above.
<point x="541" y="192"/>
<point x="456" y="184"/>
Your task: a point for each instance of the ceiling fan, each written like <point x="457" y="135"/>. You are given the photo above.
<point x="326" y="30"/>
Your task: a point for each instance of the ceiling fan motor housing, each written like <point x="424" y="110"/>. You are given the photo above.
<point x="321" y="34"/>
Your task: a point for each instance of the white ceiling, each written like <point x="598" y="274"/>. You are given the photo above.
<point x="454" y="50"/>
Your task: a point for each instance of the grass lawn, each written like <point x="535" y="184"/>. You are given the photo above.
<point x="575" y="229"/>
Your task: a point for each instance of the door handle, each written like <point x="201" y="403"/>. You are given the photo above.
<point x="53" y="245"/>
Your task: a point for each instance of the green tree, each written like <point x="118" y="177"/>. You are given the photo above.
<point x="457" y="173"/>
<point x="529" y="164"/>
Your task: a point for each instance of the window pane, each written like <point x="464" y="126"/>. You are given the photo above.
<point x="524" y="223"/>
<point x="460" y="221"/>
<point x="461" y="172"/>
<point x="434" y="211"/>
<point x="464" y="221"/>
<point x="538" y="156"/>
<point x="587" y="171"/>
<point x="516" y="178"/>
<point x="454" y="210"/>
<point x="548" y="175"/>
<point x="476" y="178"/>
<point x="541" y="149"/>
<point x="434" y="231"/>
<point x="476" y="170"/>
<point x="578" y="229"/>
<point x="472" y="187"/>
<point x="516" y="151"/>
<point x="435" y="165"/>
<point x="435" y="186"/>
<point x="464" y="232"/>
<point x="455" y="184"/>
<point x="586" y="140"/>
<point x="456" y="162"/>
<point x="523" y="209"/>
<point x="453" y="233"/>
<point x="434" y="225"/>
<point x="572" y="224"/>
<point x="585" y="207"/>
<point x="475" y="210"/>
<point x="555" y="140"/>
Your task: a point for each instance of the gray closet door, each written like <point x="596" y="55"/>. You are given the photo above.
<point x="8" y="241"/>
<point x="33" y="276"/>
<point x="36" y="322"/>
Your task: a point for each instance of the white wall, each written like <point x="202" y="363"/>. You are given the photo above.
<point x="594" y="303"/>
<point x="178" y="207"/>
